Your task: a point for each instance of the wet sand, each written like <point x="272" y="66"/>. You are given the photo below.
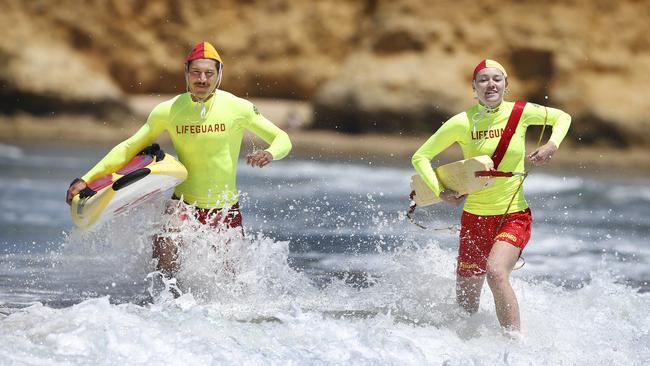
<point x="294" y="117"/>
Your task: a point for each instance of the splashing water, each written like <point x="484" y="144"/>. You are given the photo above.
<point x="329" y="273"/>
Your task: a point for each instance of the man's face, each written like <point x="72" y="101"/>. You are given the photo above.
<point x="490" y="85"/>
<point x="202" y="76"/>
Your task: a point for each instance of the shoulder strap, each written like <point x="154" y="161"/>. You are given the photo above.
<point x="511" y="126"/>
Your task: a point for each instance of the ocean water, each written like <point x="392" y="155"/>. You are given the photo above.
<point x="330" y="273"/>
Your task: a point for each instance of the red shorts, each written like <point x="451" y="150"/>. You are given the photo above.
<point x="215" y="217"/>
<point x="479" y="233"/>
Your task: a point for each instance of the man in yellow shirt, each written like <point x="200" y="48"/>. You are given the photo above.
<point x="496" y="221"/>
<point x="206" y="126"/>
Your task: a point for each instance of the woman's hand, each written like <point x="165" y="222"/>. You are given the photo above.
<point x="543" y="154"/>
<point x="452" y="197"/>
<point x="259" y="158"/>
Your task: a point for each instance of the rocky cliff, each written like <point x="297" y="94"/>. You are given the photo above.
<point x="374" y="65"/>
<point x="413" y="68"/>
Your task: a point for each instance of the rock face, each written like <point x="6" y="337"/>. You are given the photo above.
<point x="413" y="69"/>
<point x="375" y="65"/>
<point x="43" y="72"/>
<point x="72" y="52"/>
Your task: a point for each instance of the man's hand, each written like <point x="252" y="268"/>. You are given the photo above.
<point x="543" y="154"/>
<point x="259" y="158"/>
<point x="452" y="197"/>
<point x="76" y="186"/>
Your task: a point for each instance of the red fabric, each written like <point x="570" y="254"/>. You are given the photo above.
<point x="100" y="183"/>
<point x="213" y="216"/>
<point x="479" y="67"/>
<point x="139" y="161"/>
<point x="493" y="173"/>
<point x="486" y="64"/>
<point x="197" y="52"/>
<point x="203" y="50"/>
<point x="511" y="126"/>
<point x="479" y="233"/>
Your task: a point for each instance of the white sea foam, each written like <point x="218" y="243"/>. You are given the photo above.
<point x="407" y="317"/>
<point x="10" y="152"/>
<point x="541" y="183"/>
<point x="269" y="313"/>
<point x="374" y="308"/>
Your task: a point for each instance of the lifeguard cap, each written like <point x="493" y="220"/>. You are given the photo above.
<point x="203" y="50"/>
<point x="489" y="63"/>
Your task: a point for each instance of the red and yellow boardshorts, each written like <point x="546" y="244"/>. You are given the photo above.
<point x="216" y="218"/>
<point x="479" y="233"/>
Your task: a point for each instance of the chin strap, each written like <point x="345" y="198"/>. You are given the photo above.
<point x="201" y="101"/>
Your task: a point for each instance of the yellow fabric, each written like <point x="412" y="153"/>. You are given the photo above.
<point x="208" y="148"/>
<point x="478" y="133"/>
<point x="210" y="52"/>
<point x="203" y="50"/>
<point x="489" y="63"/>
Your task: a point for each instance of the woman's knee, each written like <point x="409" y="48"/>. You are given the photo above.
<point x="497" y="275"/>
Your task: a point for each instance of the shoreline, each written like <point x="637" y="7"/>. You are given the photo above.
<point x="294" y="118"/>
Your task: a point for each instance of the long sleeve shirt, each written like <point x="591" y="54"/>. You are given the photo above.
<point x="478" y="132"/>
<point x="207" y="147"/>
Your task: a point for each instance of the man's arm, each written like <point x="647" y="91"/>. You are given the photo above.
<point x="122" y="153"/>
<point x="278" y="140"/>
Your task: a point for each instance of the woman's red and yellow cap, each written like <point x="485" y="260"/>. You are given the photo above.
<point x="203" y="50"/>
<point x="489" y="63"/>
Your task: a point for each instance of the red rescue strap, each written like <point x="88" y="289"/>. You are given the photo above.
<point x="496" y="173"/>
<point x="508" y="132"/>
<point x="500" y="151"/>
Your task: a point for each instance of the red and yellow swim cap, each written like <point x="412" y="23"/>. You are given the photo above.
<point x="203" y="50"/>
<point x="488" y="63"/>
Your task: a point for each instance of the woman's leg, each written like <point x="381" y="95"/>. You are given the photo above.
<point x="468" y="292"/>
<point x="501" y="261"/>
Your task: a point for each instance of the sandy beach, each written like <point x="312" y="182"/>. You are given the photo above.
<point x="308" y="143"/>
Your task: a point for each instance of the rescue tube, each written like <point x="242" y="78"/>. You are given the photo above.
<point x="459" y="176"/>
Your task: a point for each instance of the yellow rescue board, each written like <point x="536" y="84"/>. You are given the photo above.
<point x="140" y="180"/>
<point x="458" y="176"/>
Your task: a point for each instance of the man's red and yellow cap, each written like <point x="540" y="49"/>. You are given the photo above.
<point x="203" y="50"/>
<point x="489" y="63"/>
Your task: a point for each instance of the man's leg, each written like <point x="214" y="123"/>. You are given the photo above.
<point x="468" y="292"/>
<point x="501" y="261"/>
<point x="226" y="222"/>
<point x="165" y="250"/>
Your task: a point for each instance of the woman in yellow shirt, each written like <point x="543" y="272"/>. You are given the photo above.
<point x="491" y="239"/>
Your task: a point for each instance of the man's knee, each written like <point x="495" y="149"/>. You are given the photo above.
<point x="164" y="248"/>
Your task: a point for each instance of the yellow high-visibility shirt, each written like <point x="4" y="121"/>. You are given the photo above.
<point x="208" y="147"/>
<point x="478" y="133"/>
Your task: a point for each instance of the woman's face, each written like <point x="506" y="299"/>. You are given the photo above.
<point x="489" y="85"/>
